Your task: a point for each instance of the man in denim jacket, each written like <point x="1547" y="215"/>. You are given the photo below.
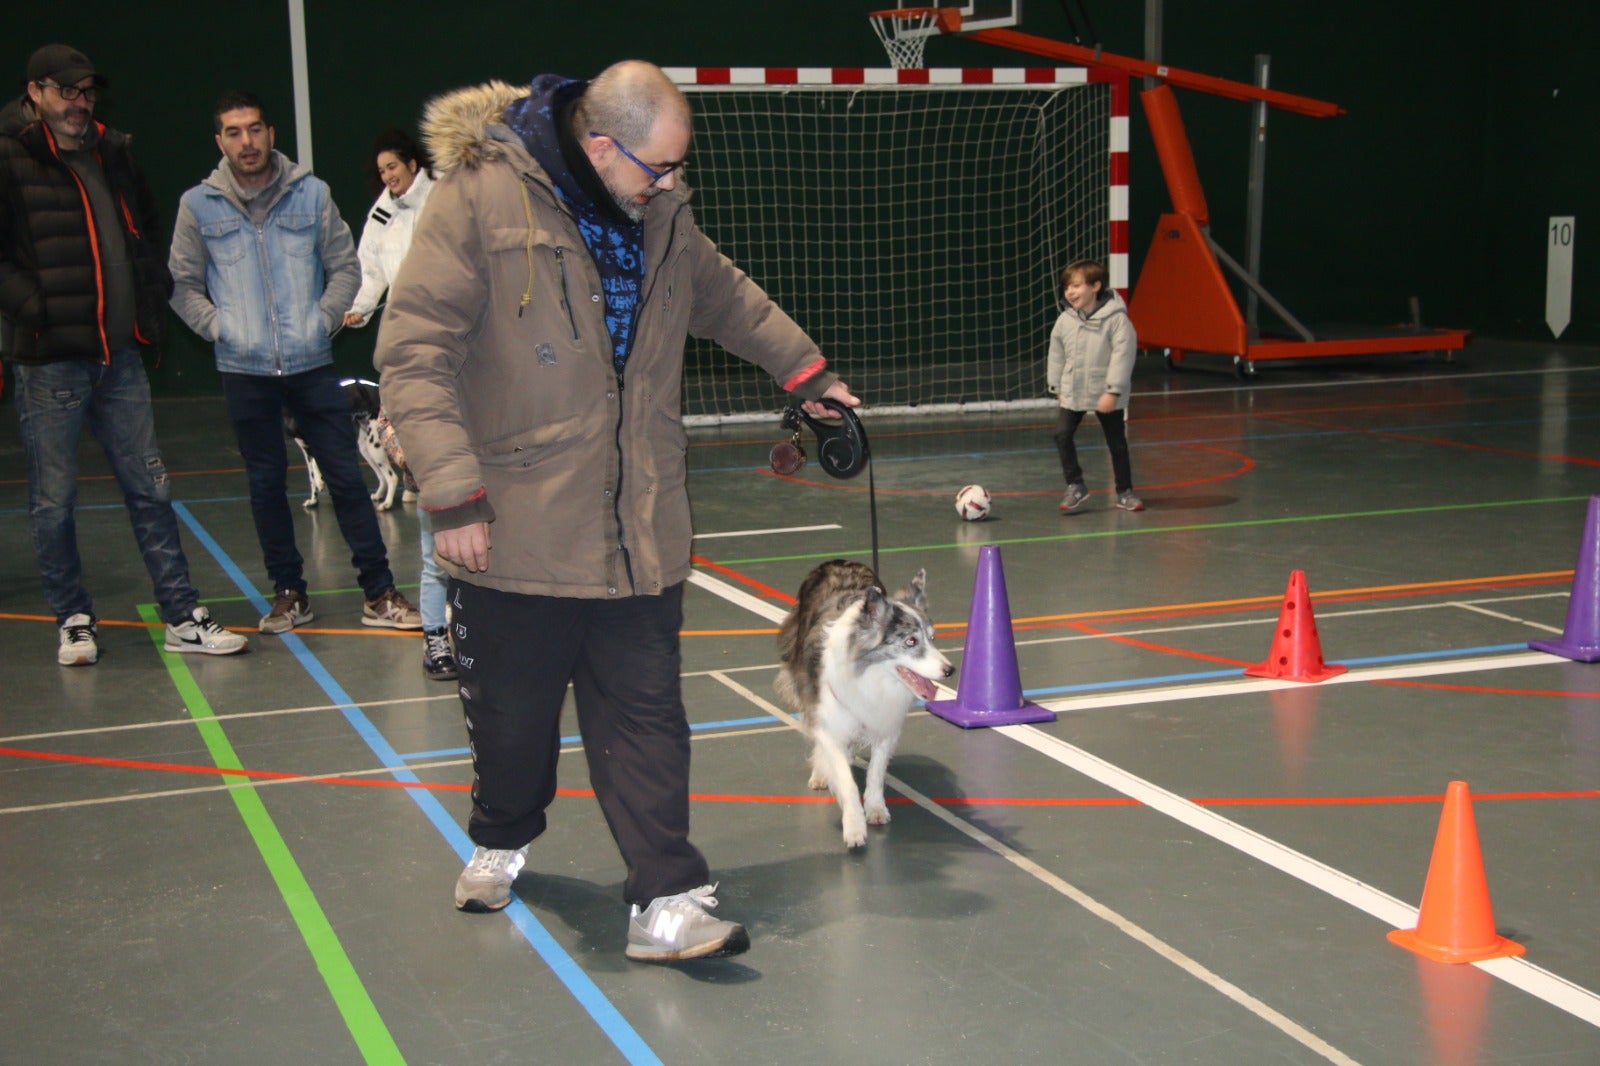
<point x="264" y="267"/>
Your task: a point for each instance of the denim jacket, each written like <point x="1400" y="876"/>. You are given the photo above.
<point x="267" y="295"/>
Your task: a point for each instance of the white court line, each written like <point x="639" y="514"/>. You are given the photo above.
<point x="1536" y="981"/>
<point x="1127" y="927"/>
<point x="766" y="532"/>
<point x="253" y="782"/>
<point x="1246" y="686"/>
<point x="1555" y="990"/>
<point x="224" y="718"/>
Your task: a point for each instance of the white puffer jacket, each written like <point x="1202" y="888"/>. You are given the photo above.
<point x="384" y="240"/>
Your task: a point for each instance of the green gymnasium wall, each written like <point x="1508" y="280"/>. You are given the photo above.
<point x="1466" y="131"/>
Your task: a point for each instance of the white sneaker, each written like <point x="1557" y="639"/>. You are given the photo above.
<point x="673" y="928"/>
<point x="203" y="636"/>
<point x="485" y="885"/>
<point x="77" y="642"/>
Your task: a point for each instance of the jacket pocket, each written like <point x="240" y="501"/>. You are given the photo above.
<point x="528" y="447"/>
<point x="226" y="241"/>
<point x="298" y="233"/>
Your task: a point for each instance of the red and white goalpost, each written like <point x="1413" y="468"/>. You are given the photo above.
<point x="912" y="220"/>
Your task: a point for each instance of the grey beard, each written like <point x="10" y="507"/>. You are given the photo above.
<point x="634" y="211"/>
<point x="625" y="204"/>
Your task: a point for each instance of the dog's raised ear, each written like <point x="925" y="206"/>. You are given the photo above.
<point x="876" y="613"/>
<point x="916" y="592"/>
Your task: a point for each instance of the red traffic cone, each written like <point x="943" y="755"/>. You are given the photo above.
<point x="1580" y="641"/>
<point x="1456" y="922"/>
<point x="990" y="691"/>
<point x="1296" y="650"/>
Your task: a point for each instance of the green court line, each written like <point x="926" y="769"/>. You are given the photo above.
<point x="361" y="1016"/>
<point x="1198" y="527"/>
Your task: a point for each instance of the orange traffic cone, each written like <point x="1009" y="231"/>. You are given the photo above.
<point x="1296" y="651"/>
<point x="1456" y="923"/>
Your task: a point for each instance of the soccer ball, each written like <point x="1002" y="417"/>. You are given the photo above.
<point x="972" y="503"/>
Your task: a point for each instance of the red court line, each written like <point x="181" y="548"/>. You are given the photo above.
<point x="743" y="579"/>
<point x="1246" y="464"/>
<point x="1489" y="689"/>
<point x="727" y="797"/>
<point x="1166" y="649"/>
<point x="1416" y="439"/>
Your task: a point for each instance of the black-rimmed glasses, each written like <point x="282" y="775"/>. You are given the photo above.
<point x="72" y="92"/>
<point x="655" y="175"/>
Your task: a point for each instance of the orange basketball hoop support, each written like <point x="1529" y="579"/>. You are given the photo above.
<point x="1183" y="300"/>
<point x="1183" y="79"/>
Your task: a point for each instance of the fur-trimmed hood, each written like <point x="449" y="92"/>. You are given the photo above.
<point x="465" y="128"/>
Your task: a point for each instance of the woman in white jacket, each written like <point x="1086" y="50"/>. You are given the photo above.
<point x="406" y="180"/>
<point x="385" y="238"/>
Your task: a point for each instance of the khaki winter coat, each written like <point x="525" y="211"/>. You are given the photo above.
<point x="496" y="367"/>
<point x="1092" y="356"/>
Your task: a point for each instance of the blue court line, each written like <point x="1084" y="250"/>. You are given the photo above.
<point x="1058" y="690"/>
<point x="727" y="723"/>
<point x="584" y="990"/>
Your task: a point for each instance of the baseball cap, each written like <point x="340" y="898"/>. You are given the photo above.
<point x="62" y="64"/>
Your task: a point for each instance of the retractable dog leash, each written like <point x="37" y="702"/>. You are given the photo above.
<point x="842" y="452"/>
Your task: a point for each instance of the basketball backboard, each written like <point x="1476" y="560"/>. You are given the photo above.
<point x="977" y="14"/>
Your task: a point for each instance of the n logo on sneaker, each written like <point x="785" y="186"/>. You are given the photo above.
<point x="666" y="926"/>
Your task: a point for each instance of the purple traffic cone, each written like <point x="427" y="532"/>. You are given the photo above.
<point x="990" y="691"/>
<point x="1580" y="641"/>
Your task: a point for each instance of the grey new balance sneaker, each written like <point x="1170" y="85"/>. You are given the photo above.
<point x="1076" y="493"/>
<point x="201" y="635"/>
<point x="485" y="885"/>
<point x="78" y="647"/>
<point x="289" y="609"/>
<point x="673" y="928"/>
<point x="1127" y="501"/>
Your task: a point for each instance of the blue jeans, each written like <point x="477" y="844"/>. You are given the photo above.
<point x="54" y="401"/>
<point x="430" y="596"/>
<point x="255" y="405"/>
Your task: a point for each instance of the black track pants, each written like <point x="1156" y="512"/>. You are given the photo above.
<point x="517" y="654"/>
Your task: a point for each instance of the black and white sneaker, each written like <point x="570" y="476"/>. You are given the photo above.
<point x="78" y="647"/>
<point x="438" y="655"/>
<point x="201" y="635"/>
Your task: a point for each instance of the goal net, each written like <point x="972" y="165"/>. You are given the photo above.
<point x="913" y="222"/>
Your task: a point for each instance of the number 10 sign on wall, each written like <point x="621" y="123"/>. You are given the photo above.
<point x="1558" y="274"/>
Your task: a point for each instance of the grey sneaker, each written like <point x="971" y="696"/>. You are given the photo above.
<point x="77" y="642"/>
<point x="1129" y="502"/>
<point x="1076" y="494"/>
<point x="485" y="885"/>
<point x="677" y="927"/>
<point x="201" y="635"/>
<point x="391" y="611"/>
<point x="289" y="609"/>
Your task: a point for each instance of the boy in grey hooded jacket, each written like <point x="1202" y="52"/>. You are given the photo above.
<point x="1090" y="368"/>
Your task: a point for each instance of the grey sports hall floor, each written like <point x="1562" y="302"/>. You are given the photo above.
<point x="1186" y="867"/>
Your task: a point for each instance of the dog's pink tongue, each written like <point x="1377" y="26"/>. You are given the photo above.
<point x="924" y="688"/>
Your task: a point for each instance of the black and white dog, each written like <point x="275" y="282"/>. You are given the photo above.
<point x="375" y="439"/>
<point x="852" y="661"/>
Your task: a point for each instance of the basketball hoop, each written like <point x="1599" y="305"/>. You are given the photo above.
<point x="904" y="30"/>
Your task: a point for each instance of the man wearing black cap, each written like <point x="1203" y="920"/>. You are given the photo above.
<point x="82" y="292"/>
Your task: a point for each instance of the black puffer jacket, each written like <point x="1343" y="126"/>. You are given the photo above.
<point x="51" y="289"/>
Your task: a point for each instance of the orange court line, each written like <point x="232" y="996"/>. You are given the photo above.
<point x="723" y="797"/>
<point x="365" y="631"/>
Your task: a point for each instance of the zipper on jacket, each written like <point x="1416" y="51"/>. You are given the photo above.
<point x="616" y="504"/>
<point x="566" y="301"/>
<point x="94" y="242"/>
<point x="272" y="299"/>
